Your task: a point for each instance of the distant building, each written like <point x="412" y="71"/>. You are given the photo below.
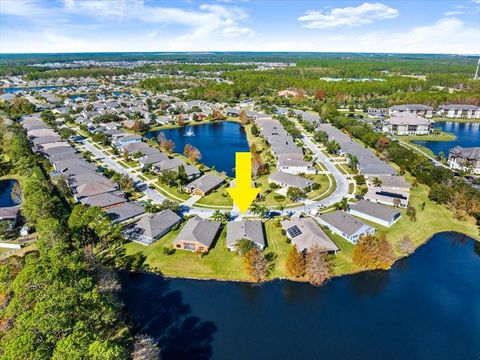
<point x="345" y="225"/>
<point x="459" y="111"/>
<point x="416" y="109"/>
<point x="465" y="159"/>
<point x="407" y="124"/>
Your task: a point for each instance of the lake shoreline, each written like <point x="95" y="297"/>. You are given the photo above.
<point x="358" y="271"/>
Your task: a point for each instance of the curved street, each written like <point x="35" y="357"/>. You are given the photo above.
<point x="340" y="183"/>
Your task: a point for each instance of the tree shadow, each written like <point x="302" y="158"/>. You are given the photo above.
<point x="369" y="283"/>
<point x="159" y="312"/>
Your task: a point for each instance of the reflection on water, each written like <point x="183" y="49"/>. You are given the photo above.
<point x="217" y="141"/>
<point x="468" y="135"/>
<point x="425" y="307"/>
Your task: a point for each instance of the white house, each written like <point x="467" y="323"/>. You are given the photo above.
<point x="379" y="214"/>
<point x="345" y="225"/>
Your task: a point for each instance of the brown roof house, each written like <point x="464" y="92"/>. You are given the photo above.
<point x="197" y="235"/>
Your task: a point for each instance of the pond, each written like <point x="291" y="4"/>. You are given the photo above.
<point x="468" y="135"/>
<point x="426" y="307"/>
<point x="10" y="194"/>
<point x="217" y="141"/>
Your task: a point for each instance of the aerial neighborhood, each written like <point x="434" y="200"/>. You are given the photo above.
<point x="140" y="156"/>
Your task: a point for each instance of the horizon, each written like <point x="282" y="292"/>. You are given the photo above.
<point x="137" y="26"/>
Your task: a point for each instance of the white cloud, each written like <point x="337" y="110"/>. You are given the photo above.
<point x="208" y="18"/>
<point x="453" y="13"/>
<point x="366" y="13"/>
<point x="445" y="36"/>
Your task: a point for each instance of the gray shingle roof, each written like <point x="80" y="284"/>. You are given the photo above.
<point x="153" y="225"/>
<point x="125" y="211"/>
<point x="343" y="221"/>
<point x="290" y="179"/>
<point x="201" y="230"/>
<point x="245" y="229"/>
<point x="206" y="183"/>
<point x="378" y="211"/>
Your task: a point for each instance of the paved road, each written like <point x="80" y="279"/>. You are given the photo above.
<point x="341" y="184"/>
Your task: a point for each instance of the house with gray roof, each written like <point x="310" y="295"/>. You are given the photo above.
<point x="345" y="225"/>
<point x="104" y="200"/>
<point x="173" y="165"/>
<point x="126" y="140"/>
<point x="125" y="211"/>
<point x="305" y="234"/>
<point x="294" y="163"/>
<point x="204" y="184"/>
<point x="197" y="235"/>
<point x="152" y="227"/>
<point x="245" y="229"/>
<point x="377" y="213"/>
<point x="287" y="180"/>
<point x="387" y="196"/>
<point x="152" y="158"/>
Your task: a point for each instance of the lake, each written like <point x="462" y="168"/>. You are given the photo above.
<point x="426" y="307"/>
<point x="10" y="194"/>
<point x="468" y="135"/>
<point x="217" y="141"/>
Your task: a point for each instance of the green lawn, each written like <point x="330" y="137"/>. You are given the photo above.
<point x="171" y="192"/>
<point x="219" y="263"/>
<point x="219" y="197"/>
<point x="442" y="137"/>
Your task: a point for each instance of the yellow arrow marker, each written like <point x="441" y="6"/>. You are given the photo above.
<point x="243" y="193"/>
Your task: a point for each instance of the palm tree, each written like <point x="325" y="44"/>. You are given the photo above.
<point x="377" y="182"/>
<point x="281" y="208"/>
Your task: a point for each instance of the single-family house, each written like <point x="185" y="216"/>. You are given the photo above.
<point x="125" y="211"/>
<point x="245" y="229"/>
<point x="152" y="227"/>
<point x="345" y="225"/>
<point x="305" y="234"/>
<point x="379" y="214"/>
<point x="204" y="185"/>
<point x="197" y="235"/>
<point x="287" y="180"/>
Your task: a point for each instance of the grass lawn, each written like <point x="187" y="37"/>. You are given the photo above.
<point x="171" y="192"/>
<point x="321" y="192"/>
<point x="219" y="197"/>
<point x="219" y="263"/>
<point x="433" y="219"/>
<point x="442" y="137"/>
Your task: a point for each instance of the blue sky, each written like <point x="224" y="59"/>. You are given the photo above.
<point x="429" y="26"/>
